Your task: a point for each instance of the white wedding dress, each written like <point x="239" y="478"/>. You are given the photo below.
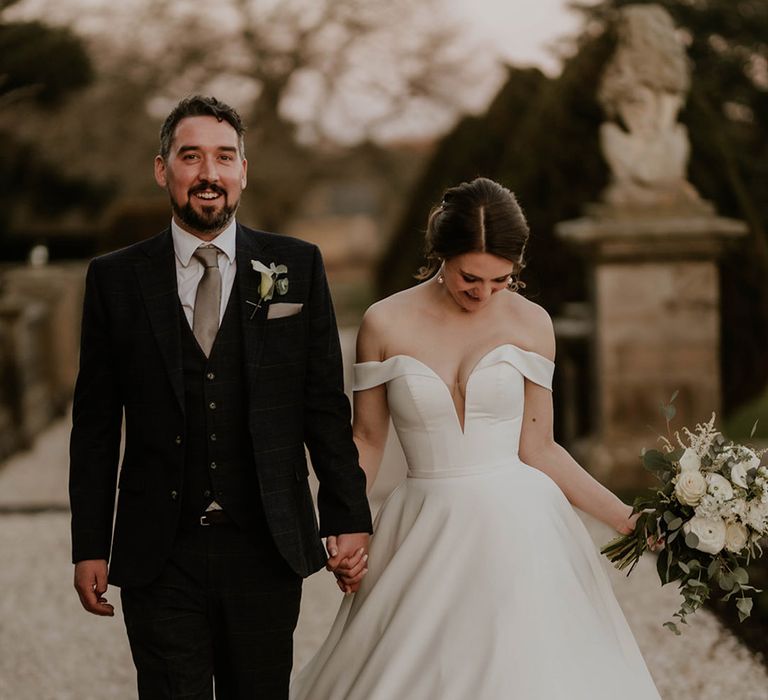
<point x="483" y="583"/>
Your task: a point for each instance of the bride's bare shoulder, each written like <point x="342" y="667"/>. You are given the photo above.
<point x="383" y="321"/>
<point x="534" y="318"/>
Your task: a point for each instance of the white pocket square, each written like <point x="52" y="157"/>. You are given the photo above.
<point x="283" y="309"/>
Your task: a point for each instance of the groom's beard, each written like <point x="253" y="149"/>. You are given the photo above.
<point x="209" y="220"/>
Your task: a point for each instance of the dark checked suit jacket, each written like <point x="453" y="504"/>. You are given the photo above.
<point x="130" y="365"/>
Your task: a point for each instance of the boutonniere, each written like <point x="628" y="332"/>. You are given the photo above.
<point x="272" y="280"/>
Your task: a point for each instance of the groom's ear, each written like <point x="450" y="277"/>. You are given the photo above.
<point x="244" y="176"/>
<point x="160" y="167"/>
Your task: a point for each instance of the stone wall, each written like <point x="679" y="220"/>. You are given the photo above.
<point x="40" y="310"/>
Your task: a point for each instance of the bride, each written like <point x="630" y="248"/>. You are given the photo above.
<point x="482" y="582"/>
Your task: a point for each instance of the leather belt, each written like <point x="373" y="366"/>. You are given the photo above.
<point x="215" y="517"/>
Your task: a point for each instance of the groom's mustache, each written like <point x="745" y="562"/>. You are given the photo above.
<point x="211" y="187"/>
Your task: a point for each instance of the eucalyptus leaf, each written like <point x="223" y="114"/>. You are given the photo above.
<point x="691" y="540"/>
<point x="714" y="568"/>
<point x="740" y="575"/>
<point x="668" y="411"/>
<point x="725" y="581"/>
<point x="744" y="606"/>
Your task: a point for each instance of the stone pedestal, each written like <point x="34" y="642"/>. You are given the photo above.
<point x="656" y="301"/>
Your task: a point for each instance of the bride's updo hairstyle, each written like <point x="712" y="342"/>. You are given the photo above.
<point x="475" y="217"/>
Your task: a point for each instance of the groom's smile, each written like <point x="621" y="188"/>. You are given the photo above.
<point x="204" y="175"/>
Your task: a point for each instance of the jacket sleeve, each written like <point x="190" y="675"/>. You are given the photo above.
<point x="96" y="430"/>
<point x="342" y="500"/>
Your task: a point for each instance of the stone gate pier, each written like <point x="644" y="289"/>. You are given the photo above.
<point x="653" y="245"/>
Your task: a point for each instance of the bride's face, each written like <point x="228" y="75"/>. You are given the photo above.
<point x="472" y="279"/>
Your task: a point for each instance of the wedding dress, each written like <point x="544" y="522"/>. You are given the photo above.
<point x="483" y="583"/>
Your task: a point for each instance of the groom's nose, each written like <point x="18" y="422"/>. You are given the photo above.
<point x="209" y="171"/>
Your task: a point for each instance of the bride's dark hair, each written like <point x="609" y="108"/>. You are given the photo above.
<point x="480" y="216"/>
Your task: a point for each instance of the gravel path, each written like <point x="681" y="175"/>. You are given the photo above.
<point x="52" y="650"/>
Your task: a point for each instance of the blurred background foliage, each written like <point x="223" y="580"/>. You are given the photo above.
<point x="539" y="137"/>
<point x="326" y="86"/>
<point x="322" y="84"/>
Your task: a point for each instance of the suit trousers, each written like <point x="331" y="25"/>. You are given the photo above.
<point x="222" y="612"/>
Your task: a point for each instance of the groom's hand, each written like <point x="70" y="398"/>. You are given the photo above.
<point x="348" y="555"/>
<point x="91" y="585"/>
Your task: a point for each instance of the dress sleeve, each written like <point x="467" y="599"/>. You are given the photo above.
<point x="371" y="374"/>
<point x="532" y="366"/>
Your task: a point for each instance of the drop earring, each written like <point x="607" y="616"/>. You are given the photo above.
<point x="515" y="284"/>
<point x="440" y="278"/>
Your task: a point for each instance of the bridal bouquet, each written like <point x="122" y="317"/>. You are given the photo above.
<point x="710" y="511"/>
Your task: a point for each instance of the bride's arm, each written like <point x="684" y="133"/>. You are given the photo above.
<point x="539" y="449"/>
<point x="370" y="423"/>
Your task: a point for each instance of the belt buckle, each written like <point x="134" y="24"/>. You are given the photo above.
<point x="204" y="521"/>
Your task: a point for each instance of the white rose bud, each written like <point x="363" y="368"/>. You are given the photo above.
<point x="265" y="288"/>
<point x="736" y="536"/>
<point x="690" y="487"/>
<point x="739" y="475"/>
<point x="690" y="461"/>
<point x="710" y="531"/>
<point x="720" y="487"/>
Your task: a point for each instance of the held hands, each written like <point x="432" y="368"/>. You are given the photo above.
<point x="348" y="555"/>
<point x="91" y="585"/>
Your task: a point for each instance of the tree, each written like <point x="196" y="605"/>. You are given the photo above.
<point x="312" y="78"/>
<point x="539" y="137"/>
<point x="40" y="67"/>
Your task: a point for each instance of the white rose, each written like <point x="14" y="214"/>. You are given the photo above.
<point x="710" y="531"/>
<point x="739" y="475"/>
<point x="720" y="487"/>
<point x="690" y="461"/>
<point x="757" y="516"/>
<point x="736" y="536"/>
<point x="690" y="487"/>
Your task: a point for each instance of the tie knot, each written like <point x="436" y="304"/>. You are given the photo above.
<point x="207" y="255"/>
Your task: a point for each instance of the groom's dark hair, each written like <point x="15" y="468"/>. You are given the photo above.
<point x="200" y="106"/>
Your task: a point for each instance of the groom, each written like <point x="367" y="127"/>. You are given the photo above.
<point x="218" y="346"/>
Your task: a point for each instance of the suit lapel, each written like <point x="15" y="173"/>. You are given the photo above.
<point x="157" y="279"/>
<point x="250" y="247"/>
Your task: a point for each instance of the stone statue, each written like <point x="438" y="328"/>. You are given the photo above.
<point x="641" y="91"/>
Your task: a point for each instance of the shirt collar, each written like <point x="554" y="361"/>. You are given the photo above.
<point x="185" y="244"/>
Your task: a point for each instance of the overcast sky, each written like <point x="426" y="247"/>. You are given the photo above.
<point x="520" y="29"/>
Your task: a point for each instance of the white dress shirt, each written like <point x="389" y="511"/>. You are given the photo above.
<point x="189" y="270"/>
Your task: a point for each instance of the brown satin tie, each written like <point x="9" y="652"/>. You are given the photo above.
<point x="205" y="323"/>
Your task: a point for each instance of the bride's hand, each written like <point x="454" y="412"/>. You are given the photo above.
<point x="627" y="527"/>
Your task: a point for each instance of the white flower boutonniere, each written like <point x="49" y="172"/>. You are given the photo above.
<point x="272" y="280"/>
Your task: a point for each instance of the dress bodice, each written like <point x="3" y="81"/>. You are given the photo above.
<point x="425" y="418"/>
